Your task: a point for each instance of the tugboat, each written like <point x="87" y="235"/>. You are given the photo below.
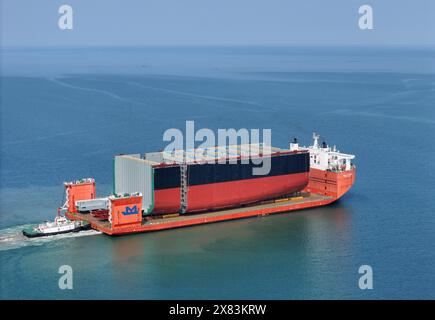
<point x="58" y="226"/>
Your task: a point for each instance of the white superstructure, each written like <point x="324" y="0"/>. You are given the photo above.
<point x="60" y="224"/>
<point x="323" y="157"/>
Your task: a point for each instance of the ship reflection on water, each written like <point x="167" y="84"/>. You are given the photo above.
<point x="332" y="220"/>
<point x="298" y="246"/>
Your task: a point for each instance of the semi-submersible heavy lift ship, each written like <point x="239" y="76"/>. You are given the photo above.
<point x="154" y="192"/>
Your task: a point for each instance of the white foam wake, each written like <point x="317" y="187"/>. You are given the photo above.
<point x="13" y="238"/>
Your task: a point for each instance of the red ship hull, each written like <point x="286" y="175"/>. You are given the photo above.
<point x="329" y="183"/>
<point x="217" y="196"/>
<point x="213" y="186"/>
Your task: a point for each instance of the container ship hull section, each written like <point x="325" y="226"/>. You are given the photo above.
<point x="215" y="186"/>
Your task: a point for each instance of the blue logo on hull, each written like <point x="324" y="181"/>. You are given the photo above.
<point x="128" y="211"/>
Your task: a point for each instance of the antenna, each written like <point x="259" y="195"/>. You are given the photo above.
<point x="316" y="140"/>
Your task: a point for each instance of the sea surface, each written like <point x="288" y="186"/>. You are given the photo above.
<point x="66" y="111"/>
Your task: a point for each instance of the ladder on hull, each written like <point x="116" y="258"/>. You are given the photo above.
<point x="183" y="185"/>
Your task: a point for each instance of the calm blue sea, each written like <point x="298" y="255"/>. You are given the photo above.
<point x="66" y="112"/>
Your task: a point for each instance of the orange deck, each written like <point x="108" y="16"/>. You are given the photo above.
<point x="160" y="223"/>
<point x="324" y="188"/>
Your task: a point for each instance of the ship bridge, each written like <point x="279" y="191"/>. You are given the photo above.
<point x="323" y="157"/>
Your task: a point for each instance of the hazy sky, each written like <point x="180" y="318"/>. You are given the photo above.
<point x="210" y="22"/>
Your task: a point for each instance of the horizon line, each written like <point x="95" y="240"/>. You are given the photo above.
<point x="361" y="45"/>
